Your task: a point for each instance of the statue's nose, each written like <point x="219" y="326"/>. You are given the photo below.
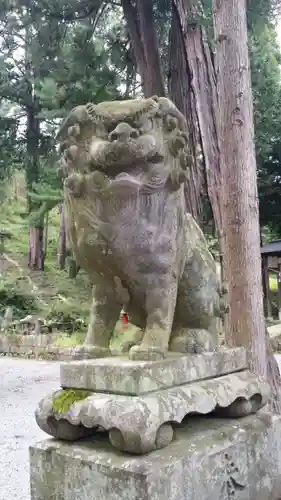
<point x="123" y="132"/>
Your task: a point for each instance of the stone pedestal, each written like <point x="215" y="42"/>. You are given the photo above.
<point x="140" y="402"/>
<point x="209" y="459"/>
<point x="170" y="412"/>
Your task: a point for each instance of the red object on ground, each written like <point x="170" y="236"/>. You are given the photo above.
<point x="125" y="319"/>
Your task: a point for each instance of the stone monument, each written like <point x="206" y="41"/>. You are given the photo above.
<point x="159" y="418"/>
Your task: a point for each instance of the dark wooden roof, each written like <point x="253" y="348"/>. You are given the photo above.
<point x="273" y="248"/>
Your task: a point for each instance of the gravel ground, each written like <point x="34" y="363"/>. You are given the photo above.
<point x="23" y="383"/>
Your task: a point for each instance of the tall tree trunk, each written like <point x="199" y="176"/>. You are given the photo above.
<point x="35" y="252"/>
<point x="142" y="31"/>
<point x="153" y="72"/>
<point x="62" y="241"/>
<point x="242" y="259"/>
<point x="46" y="231"/>
<point x="73" y="268"/>
<point x="32" y="144"/>
<point x="180" y="92"/>
<point x="36" y="234"/>
<point x="203" y="84"/>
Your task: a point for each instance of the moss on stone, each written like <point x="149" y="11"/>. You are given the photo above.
<point x="63" y="401"/>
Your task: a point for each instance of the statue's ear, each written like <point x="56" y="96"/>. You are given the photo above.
<point x="77" y="115"/>
<point x="167" y="107"/>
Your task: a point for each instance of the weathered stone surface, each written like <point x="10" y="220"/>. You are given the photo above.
<point x="125" y="165"/>
<point x="210" y="459"/>
<point x="120" y="375"/>
<point x="140" y="424"/>
<point x="35" y="345"/>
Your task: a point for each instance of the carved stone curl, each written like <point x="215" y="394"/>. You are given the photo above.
<point x="142" y="424"/>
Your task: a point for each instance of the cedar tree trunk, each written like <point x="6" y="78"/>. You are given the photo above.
<point x="62" y="241"/>
<point x="142" y="32"/>
<point x="240" y="213"/>
<point x="180" y="92"/>
<point x="203" y="84"/>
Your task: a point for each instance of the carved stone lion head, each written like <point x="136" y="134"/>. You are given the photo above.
<point x="116" y="137"/>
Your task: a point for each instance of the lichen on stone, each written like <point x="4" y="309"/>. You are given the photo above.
<point x="63" y="400"/>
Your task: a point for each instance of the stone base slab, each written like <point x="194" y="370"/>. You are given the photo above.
<point x="210" y="459"/>
<point x="119" y="375"/>
<point x="140" y="424"/>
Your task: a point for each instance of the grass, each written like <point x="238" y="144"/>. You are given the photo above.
<point x="59" y="296"/>
<point x="69" y="340"/>
<point x="273" y="284"/>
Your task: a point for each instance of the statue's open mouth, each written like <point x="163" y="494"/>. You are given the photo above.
<point x="106" y="155"/>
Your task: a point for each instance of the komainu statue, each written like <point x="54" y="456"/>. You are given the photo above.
<point x="125" y="164"/>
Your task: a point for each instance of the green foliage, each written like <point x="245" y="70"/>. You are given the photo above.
<point x="260" y="11"/>
<point x="13" y="294"/>
<point x="63" y="400"/>
<point x="273" y="283"/>
<point x="57" y="54"/>
<point x="80" y="73"/>
<point x="73" y="340"/>
<point x="265" y="67"/>
<point x="44" y="198"/>
<point x="9" y="152"/>
<point x="69" y="315"/>
<point x="52" y="57"/>
<point x="268" y="234"/>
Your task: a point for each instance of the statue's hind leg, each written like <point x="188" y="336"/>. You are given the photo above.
<point x="196" y="323"/>
<point x="192" y="340"/>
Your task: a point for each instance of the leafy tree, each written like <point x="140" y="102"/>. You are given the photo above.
<point x="9" y="152"/>
<point x="51" y="61"/>
<point x="265" y="68"/>
<point x="265" y="65"/>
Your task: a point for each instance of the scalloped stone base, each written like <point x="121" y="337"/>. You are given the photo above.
<point x="141" y="424"/>
<point x="209" y="459"/>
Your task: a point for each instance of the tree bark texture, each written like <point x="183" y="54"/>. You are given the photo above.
<point x="73" y="268"/>
<point x="203" y="84"/>
<point x="180" y="92"/>
<point x="46" y="233"/>
<point x="61" y="257"/>
<point x="142" y="32"/>
<point x="36" y="250"/>
<point x="240" y="214"/>
<point x="32" y="146"/>
<point x="36" y="234"/>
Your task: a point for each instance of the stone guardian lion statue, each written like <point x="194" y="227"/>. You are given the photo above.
<point x="125" y="164"/>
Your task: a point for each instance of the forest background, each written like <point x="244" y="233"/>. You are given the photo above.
<point x="55" y="55"/>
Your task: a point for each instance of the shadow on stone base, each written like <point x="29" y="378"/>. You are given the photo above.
<point x="210" y="459"/>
